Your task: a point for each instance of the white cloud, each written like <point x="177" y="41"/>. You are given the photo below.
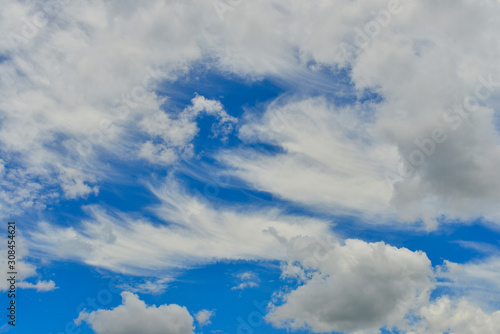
<point x="476" y="280"/>
<point x="134" y="316"/>
<point x="23" y="267"/>
<point x="20" y="191"/>
<point x="247" y="276"/>
<point x="245" y="285"/>
<point x="177" y="133"/>
<point x="89" y="67"/>
<point x="75" y="183"/>
<point x="421" y="72"/>
<point x="81" y="83"/>
<point x="353" y="287"/>
<point x="38" y="286"/>
<point x="203" y="317"/>
<point x="459" y="317"/>
<point x="211" y="107"/>
<point x="360" y="287"/>
<point x="157" y="153"/>
<point x="330" y="160"/>
<point x="247" y="280"/>
<point x="73" y="88"/>
<point x="192" y="231"/>
<point x="425" y="75"/>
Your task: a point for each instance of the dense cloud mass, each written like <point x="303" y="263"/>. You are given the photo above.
<point x="388" y="111"/>
<point x="463" y="318"/>
<point x="433" y="135"/>
<point x="355" y="286"/>
<point x="359" y="287"/>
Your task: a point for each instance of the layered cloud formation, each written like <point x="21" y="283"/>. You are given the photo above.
<point x="192" y="232"/>
<point x="96" y="71"/>
<point x="389" y="114"/>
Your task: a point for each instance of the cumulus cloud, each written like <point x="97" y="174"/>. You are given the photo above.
<point x="353" y="287"/>
<point x="203" y="317"/>
<point x="78" y="83"/>
<point x="434" y="127"/>
<point x="358" y="287"/>
<point x="459" y="317"/>
<point x="437" y="88"/>
<point x="78" y="79"/>
<point x="175" y="134"/>
<point x="134" y="316"/>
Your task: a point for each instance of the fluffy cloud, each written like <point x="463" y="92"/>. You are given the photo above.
<point x="436" y="121"/>
<point x="355" y="286"/>
<point x="134" y="316"/>
<point x="203" y="317"/>
<point x="440" y="118"/>
<point x="360" y="287"/>
<point x="460" y="317"/>
<point x="78" y="84"/>
<point x="77" y="77"/>
<point x="75" y="80"/>
<point x="176" y="134"/>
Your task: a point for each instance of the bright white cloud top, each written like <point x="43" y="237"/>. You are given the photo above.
<point x="134" y="316"/>
<point x="316" y="140"/>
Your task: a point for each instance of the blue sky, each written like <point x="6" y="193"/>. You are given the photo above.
<point x="190" y="167"/>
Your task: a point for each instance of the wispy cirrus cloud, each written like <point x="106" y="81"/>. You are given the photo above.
<point x="192" y="231"/>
